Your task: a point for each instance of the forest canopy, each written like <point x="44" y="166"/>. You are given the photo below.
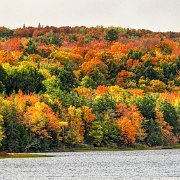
<point x="79" y="86"/>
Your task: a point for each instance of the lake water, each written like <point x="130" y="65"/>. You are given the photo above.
<point x="148" y="164"/>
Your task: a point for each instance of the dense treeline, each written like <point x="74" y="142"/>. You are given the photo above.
<point x="78" y="86"/>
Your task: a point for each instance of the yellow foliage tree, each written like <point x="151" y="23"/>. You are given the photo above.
<point x="79" y="121"/>
<point x="41" y="120"/>
<point x="1" y="129"/>
<point x="76" y="125"/>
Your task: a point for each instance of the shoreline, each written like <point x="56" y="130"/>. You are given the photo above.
<point x="4" y="155"/>
<point x="123" y="148"/>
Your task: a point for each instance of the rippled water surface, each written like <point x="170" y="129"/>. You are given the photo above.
<point x="159" y="164"/>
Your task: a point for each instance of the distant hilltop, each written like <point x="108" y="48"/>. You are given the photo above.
<point x="94" y="33"/>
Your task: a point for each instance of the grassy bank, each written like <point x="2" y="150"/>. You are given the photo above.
<point x="123" y="148"/>
<point x="22" y="155"/>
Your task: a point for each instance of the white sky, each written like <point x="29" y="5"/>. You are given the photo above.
<point x="157" y="15"/>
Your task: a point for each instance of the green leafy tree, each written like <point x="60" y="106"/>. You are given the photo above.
<point x="1" y="129"/>
<point x="146" y="105"/>
<point x="96" y="133"/>
<point x="170" y="115"/>
<point x="26" y="78"/>
<point x="88" y="82"/>
<point x="154" y="133"/>
<point x="16" y="134"/>
<point x="31" y="48"/>
<point x="54" y="38"/>
<point x="111" y="35"/>
<point x="67" y="78"/>
<point x="103" y="103"/>
<point x="104" y="130"/>
<point x="53" y="86"/>
<point x="5" y="32"/>
<point x="135" y="54"/>
<point x="3" y="76"/>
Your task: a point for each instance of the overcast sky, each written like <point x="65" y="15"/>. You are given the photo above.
<point x="157" y="15"/>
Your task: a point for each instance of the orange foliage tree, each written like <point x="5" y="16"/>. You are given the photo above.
<point x="123" y="76"/>
<point x="129" y="122"/>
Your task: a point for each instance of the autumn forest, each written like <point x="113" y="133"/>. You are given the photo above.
<point x="88" y="87"/>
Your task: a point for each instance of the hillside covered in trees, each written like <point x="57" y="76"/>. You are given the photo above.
<point x="78" y="86"/>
